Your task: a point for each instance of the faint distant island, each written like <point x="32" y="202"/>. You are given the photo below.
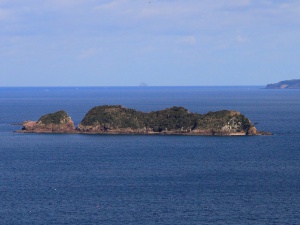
<point x="143" y="84"/>
<point x="116" y="119"/>
<point x="286" y="84"/>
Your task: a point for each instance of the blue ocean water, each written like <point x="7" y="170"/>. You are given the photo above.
<point x="136" y="179"/>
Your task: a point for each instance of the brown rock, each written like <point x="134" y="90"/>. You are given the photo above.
<point x="58" y="122"/>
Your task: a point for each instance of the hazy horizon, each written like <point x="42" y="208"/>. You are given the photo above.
<point x="139" y="86"/>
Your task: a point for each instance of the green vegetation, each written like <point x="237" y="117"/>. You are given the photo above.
<point x="217" y="120"/>
<point x="55" y="118"/>
<point x="176" y="119"/>
<point x="114" y="116"/>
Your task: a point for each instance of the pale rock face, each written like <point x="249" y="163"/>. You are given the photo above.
<point x="38" y="127"/>
<point x="29" y="125"/>
<point x="252" y="131"/>
<point x="91" y="129"/>
<point x="233" y="125"/>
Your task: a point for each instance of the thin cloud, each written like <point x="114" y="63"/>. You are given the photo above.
<point x="5" y="14"/>
<point x="190" y="40"/>
<point x="241" y="39"/>
<point x="66" y="3"/>
<point x="237" y="3"/>
<point x="88" y="53"/>
<point x="112" y="5"/>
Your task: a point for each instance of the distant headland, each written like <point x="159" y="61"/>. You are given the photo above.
<point x="286" y="84"/>
<point x="116" y="119"/>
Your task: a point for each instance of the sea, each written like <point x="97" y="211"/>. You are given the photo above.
<point x="150" y="179"/>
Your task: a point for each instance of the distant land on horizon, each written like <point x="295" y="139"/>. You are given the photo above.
<point x="138" y="86"/>
<point x="286" y="84"/>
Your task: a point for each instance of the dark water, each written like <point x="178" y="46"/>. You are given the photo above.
<point x="127" y="179"/>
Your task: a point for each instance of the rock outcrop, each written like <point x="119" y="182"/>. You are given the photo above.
<point x="116" y="119"/>
<point x="58" y="122"/>
<point x="225" y="122"/>
<point x="175" y="120"/>
<point x="286" y="84"/>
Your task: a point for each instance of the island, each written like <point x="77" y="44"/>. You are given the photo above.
<point x="117" y="119"/>
<point x="286" y="84"/>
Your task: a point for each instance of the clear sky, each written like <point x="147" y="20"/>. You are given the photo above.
<point x="159" y="42"/>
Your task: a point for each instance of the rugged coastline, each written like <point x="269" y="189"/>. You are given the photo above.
<point x="116" y="119"/>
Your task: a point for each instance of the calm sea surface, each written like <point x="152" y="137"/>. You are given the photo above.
<point x="136" y="179"/>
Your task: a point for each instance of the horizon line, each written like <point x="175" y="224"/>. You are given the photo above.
<point x="138" y="86"/>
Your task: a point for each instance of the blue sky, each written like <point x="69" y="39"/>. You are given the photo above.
<point x="159" y="42"/>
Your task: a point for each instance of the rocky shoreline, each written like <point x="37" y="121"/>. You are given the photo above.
<point x="117" y="119"/>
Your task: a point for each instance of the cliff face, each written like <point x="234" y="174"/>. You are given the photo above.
<point x="175" y="120"/>
<point x="286" y="84"/>
<point x="58" y="122"/>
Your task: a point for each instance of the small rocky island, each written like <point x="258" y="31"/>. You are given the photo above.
<point x="286" y="84"/>
<point x="116" y="119"/>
